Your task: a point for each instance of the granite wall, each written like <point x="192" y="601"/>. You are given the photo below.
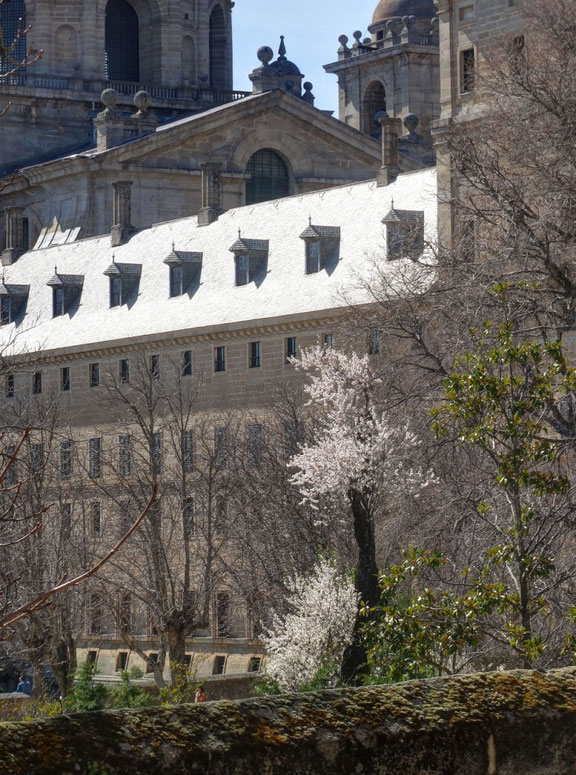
<point x="485" y="724"/>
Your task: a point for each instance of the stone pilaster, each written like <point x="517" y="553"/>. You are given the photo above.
<point x="391" y="129"/>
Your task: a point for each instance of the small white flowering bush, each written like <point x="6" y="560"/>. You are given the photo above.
<point x="312" y="636"/>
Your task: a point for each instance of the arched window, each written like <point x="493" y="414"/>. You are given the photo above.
<point x="374" y="100"/>
<point x="269" y="177"/>
<point x="11" y="13"/>
<point x="217" y="49"/>
<point x="122" y="47"/>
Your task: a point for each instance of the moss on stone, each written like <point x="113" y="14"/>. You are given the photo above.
<point x="390" y="728"/>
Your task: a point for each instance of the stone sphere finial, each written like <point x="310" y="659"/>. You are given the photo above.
<point x="343" y="40"/>
<point x="265" y="55"/>
<point x="411" y="121"/>
<point x="357" y="34"/>
<point x="142" y="100"/>
<point x="109" y="98"/>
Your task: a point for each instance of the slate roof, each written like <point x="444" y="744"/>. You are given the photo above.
<point x="286" y="291"/>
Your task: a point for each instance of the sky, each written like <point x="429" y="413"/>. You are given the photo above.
<point x="311" y="29"/>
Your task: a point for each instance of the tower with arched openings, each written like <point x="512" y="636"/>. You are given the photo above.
<point x="180" y="51"/>
<point x="395" y="68"/>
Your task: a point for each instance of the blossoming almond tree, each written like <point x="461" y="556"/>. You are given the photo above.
<point x="313" y="636"/>
<point x="357" y="457"/>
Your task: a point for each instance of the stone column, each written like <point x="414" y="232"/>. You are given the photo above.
<point x="211" y="193"/>
<point x="15" y="236"/>
<point x="390" y="132"/>
<point x="122" y="228"/>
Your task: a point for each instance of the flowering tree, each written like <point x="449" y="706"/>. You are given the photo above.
<point x="313" y="636"/>
<point x="358" y="457"/>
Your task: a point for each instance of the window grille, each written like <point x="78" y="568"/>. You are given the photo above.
<point x="95" y="518"/>
<point x="220" y="447"/>
<point x="124" y="371"/>
<point x="188" y="520"/>
<point x="220" y="358"/>
<point x="11" y="12"/>
<point x="291" y="348"/>
<point x="94" y="453"/>
<point x="10" y="477"/>
<point x="188" y="451"/>
<point x="65" y="379"/>
<point x="187" y="363"/>
<point x="269" y="177"/>
<point x="10" y="388"/>
<point x="468" y="70"/>
<point x="122" y="44"/>
<point x="94" y="374"/>
<point x="155" y="367"/>
<point x="124" y="455"/>
<point x="5" y="310"/>
<point x="37" y="457"/>
<point x="65" y="459"/>
<point x="255" y="359"/>
<point x="222" y="617"/>
<point x="37" y="382"/>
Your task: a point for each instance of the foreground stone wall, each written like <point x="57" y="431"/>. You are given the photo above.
<point x="485" y="724"/>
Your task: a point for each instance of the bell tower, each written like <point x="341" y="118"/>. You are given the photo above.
<point x="179" y="51"/>
<point x="394" y="69"/>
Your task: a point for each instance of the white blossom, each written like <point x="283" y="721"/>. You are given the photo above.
<point x="316" y="630"/>
<point x="355" y="446"/>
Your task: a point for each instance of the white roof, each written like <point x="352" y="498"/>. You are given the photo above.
<point x="286" y="291"/>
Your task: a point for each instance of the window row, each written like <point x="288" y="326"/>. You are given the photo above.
<point x="153" y="371"/>
<point x="127" y="453"/>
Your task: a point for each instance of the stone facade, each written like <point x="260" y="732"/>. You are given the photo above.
<point x="183" y="59"/>
<point x="469" y="30"/>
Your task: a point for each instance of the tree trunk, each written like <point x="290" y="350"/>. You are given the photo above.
<point x="354" y="665"/>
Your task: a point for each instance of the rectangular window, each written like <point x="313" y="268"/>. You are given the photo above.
<point x="242" y="269"/>
<point x="9" y="386"/>
<point x="220" y="358"/>
<point x="313" y="256"/>
<point x="255" y="353"/>
<point x="466" y="13"/>
<point x="187" y="363"/>
<point x="124" y="455"/>
<point x="5" y="310"/>
<point x="188" y="518"/>
<point x="10" y="478"/>
<point x="94" y="374"/>
<point x="121" y="661"/>
<point x="92" y="657"/>
<point x="124" y="518"/>
<point x="94" y="447"/>
<point x="220" y="447"/>
<point x="254" y="664"/>
<point x="222" y="615"/>
<point x="187" y="451"/>
<point x="37" y="382"/>
<point x="58" y="302"/>
<point x="176" y="280"/>
<point x="374" y="341"/>
<point x="95" y="518"/>
<point x="115" y="291"/>
<point x="291" y="350"/>
<point x="220" y="515"/>
<point x="467" y="70"/>
<point x="219" y="665"/>
<point x="65" y="379"/>
<point x="155" y="367"/>
<point x="328" y="341"/>
<point x="65" y="459"/>
<point x="124" y="613"/>
<point x="37" y="457"/>
<point x="66" y="518"/>
<point x="254" y="444"/>
<point x="95" y="616"/>
<point x="124" y="371"/>
<point x="156" y="453"/>
<point x="152" y="662"/>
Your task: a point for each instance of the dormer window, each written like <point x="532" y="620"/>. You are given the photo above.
<point x="12" y="302"/>
<point x="322" y="247"/>
<point x="124" y="283"/>
<point x="66" y="293"/>
<point x="251" y="259"/>
<point x="404" y="234"/>
<point x="185" y="269"/>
